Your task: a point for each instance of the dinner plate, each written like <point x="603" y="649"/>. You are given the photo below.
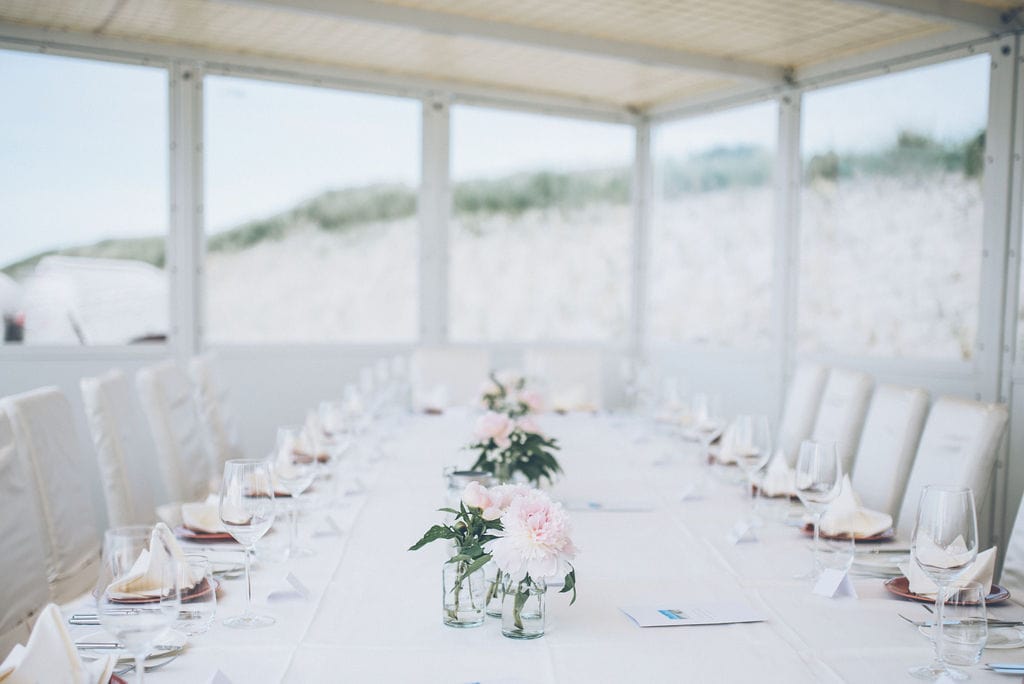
<point x="887" y="535"/>
<point x="116" y="679"/>
<point x="173" y="643"/>
<point x="183" y="532"/>
<point x="200" y="590"/>
<point x="1005" y="637"/>
<point x="900" y="586"/>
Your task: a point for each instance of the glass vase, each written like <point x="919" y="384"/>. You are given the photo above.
<point x="495" y="582"/>
<point x="523" y="611"/>
<point x="464" y="595"/>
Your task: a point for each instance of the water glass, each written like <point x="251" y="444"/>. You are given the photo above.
<point x="199" y="605"/>
<point x="837" y="553"/>
<point x="965" y="624"/>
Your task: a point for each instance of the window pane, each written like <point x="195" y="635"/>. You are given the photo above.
<point x="891" y="213"/>
<point x="540" y="232"/>
<point x="310" y="213"/>
<point x="83" y="201"/>
<point x="711" y="228"/>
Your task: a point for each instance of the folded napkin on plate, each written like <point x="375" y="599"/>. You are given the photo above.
<point x="573" y="398"/>
<point x="779" y="479"/>
<point x="726" y="448"/>
<point x="144" y="580"/>
<point x="846" y="515"/>
<point x="435" y="400"/>
<point x="203" y="516"/>
<point x="981" y="571"/>
<point x="50" y="656"/>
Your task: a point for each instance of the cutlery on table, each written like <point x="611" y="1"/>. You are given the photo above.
<point x="992" y="622"/>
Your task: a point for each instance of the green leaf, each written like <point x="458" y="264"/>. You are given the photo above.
<point x="433" y="534"/>
<point x="570" y="584"/>
<point x="477" y="564"/>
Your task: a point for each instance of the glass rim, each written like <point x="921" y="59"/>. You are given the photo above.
<point x="244" y="461"/>
<point x="952" y="489"/>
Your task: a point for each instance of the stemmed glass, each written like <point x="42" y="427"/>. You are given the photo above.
<point x="944" y="545"/>
<point x="752" y="446"/>
<point x="337" y="438"/>
<point x="819" y="477"/>
<point x="137" y="618"/>
<point x="295" y="472"/>
<point x="247" y="511"/>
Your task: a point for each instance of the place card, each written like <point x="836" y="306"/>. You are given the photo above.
<point x="219" y="678"/>
<point x="680" y="614"/>
<point x="834" y="584"/>
<point x="691" y="492"/>
<point x="296" y="590"/>
<point x="742" y="531"/>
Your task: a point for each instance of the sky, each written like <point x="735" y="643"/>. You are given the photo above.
<point x="83" y="144"/>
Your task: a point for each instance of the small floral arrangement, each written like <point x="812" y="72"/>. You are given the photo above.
<point x="506" y="393"/>
<point x="532" y="544"/>
<point x="471" y="528"/>
<point x="506" y="446"/>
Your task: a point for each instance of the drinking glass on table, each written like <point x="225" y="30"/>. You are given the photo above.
<point x="337" y="438"/>
<point x="752" y="446"/>
<point x="294" y="471"/>
<point x="944" y="545"/>
<point x="137" y="616"/>
<point x="964" y="625"/>
<point x="247" y="511"/>
<point x="199" y="608"/>
<point x="819" y="477"/>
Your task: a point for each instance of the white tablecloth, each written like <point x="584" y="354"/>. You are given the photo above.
<point x="375" y="613"/>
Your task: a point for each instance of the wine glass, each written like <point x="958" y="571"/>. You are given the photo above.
<point x="752" y="446"/>
<point x="247" y="511"/>
<point x="819" y="477"/>
<point x="199" y="608"/>
<point x="137" y="609"/>
<point x="944" y="545"/>
<point x="294" y="470"/>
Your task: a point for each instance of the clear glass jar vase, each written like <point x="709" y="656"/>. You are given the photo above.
<point x="523" y="610"/>
<point x="464" y="595"/>
<point x="495" y="580"/>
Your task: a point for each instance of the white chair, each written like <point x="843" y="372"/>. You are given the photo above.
<point x="215" y="410"/>
<point x="44" y="432"/>
<point x="124" y="449"/>
<point x="168" y="402"/>
<point x="448" y="375"/>
<point x="958" y="448"/>
<point x="574" y="378"/>
<point x="801" y="408"/>
<point x="23" y="591"/>
<point x="841" y="412"/>
<point x="1013" y="564"/>
<point x="888" y="443"/>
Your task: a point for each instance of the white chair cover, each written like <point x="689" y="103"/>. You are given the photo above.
<point x="44" y="430"/>
<point x="124" y="448"/>
<point x="169" y="404"/>
<point x="460" y="372"/>
<point x="1013" y="564"/>
<point x="215" y="409"/>
<point x="958" y="449"/>
<point x="801" y="408"/>
<point x="23" y="591"/>
<point x="841" y="412"/>
<point x="888" y="443"/>
<point x="574" y="378"/>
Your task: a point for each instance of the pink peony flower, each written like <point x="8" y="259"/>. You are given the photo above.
<point x="528" y="424"/>
<point x="534" y="400"/>
<point x="535" y="538"/>
<point x="475" y="495"/>
<point x="495" y="426"/>
<point x="501" y="498"/>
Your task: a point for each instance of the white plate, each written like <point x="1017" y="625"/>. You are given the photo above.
<point x="1005" y="638"/>
<point x="173" y="639"/>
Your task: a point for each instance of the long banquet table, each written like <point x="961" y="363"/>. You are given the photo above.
<point x="374" y="611"/>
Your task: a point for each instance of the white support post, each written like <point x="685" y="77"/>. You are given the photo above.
<point x="994" y="347"/>
<point x="786" y="257"/>
<point x="643" y="195"/>
<point x="434" y="214"/>
<point x="185" y="244"/>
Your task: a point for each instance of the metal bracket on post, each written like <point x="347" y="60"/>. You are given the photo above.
<point x="185" y="243"/>
<point x="786" y="258"/>
<point x="434" y="214"/>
